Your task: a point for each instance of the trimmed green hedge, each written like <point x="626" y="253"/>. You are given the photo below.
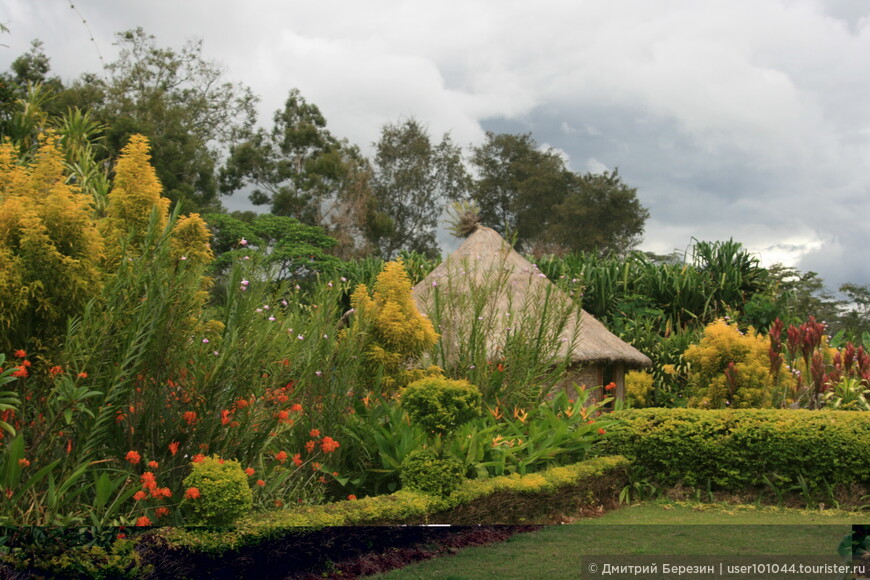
<point x="735" y="449"/>
<point x="510" y="499"/>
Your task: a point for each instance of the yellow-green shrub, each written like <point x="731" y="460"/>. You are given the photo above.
<point x="440" y="405"/>
<point x="730" y="368"/>
<point x="638" y="388"/>
<point x="422" y="470"/>
<point x="399" y="334"/>
<point x="223" y="494"/>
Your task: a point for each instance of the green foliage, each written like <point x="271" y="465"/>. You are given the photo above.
<point x="423" y="470"/>
<point x="735" y="449"/>
<point x="412" y="180"/>
<point x="71" y="553"/>
<point x="441" y="405"/>
<point x="224" y="494"/>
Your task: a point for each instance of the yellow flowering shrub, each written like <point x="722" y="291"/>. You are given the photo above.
<point x="730" y="368"/>
<point x="638" y="388"/>
<point x="50" y="247"/>
<point x="399" y="334"/>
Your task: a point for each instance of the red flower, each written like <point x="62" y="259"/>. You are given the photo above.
<point x="601" y="431"/>
<point x="297" y="459"/>
<point x="281" y="456"/>
<point x="21" y="372"/>
<point x="261" y="483"/>
<point x="314" y="433"/>
<point x="296" y="408"/>
<point x="610" y="386"/>
<point x="20" y="353"/>
<point x="225" y="416"/>
<point x="310" y="446"/>
<point x="55" y="370"/>
<point x="173" y="447"/>
<point x="198" y="458"/>
<point x="143" y="521"/>
<point x="329" y="445"/>
<point x="23" y="462"/>
<point x="84" y="375"/>
<point x="133" y="457"/>
<point x="140" y="495"/>
<point x="162" y="492"/>
<point x="190" y="417"/>
<point x="249" y="471"/>
<point x="283" y="416"/>
<point x="153" y="464"/>
<point x="191" y="493"/>
<point x="162" y="511"/>
<point x="351" y="497"/>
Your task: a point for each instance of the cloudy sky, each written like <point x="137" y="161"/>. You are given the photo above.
<point x="743" y="119"/>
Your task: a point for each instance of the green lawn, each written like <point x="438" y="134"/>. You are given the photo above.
<point x="651" y="528"/>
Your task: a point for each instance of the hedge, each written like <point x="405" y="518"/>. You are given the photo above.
<point x="735" y="449"/>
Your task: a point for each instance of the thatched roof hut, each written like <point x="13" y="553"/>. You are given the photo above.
<point x="597" y="354"/>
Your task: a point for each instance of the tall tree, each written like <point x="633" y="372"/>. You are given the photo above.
<point x="412" y="182"/>
<point x="518" y="184"/>
<point x="599" y="213"/>
<point x="302" y="171"/>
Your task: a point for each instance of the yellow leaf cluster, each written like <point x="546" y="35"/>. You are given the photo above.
<point x="50" y="247"/>
<point x="730" y="368"/>
<point x="190" y="240"/>
<point x="399" y="333"/>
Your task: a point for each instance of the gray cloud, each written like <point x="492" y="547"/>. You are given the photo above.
<point x="734" y="118"/>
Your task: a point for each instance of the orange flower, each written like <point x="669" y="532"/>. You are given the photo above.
<point x="297" y="459"/>
<point x="610" y="386"/>
<point x="20" y="353"/>
<point x="351" y="497"/>
<point x="161" y="511"/>
<point x="296" y="408"/>
<point x="315" y="466"/>
<point x="198" y="458"/>
<point x="23" y="462"/>
<point x="261" y="483"/>
<point x="279" y="503"/>
<point x="225" y="417"/>
<point x="83" y="375"/>
<point x="21" y="372"/>
<point x="140" y="495"/>
<point x="283" y="416"/>
<point x="315" y="433"/>
<point x="55" y="370"/>
<point x="310" y="446"/>
<point x="281" y="456"/>
<point x="153" y="464"/>
<point x="329" y="444"/>
<point x="133" y="457"/>
<point x="601" y="431"/>
<point x="189" y="417"/>
<point x="162" y="492"/>
<point x="143" y="521"/>
<point x="173" y="447"/>
<point x="191" y="493"/>
<point x="249" y="471"/>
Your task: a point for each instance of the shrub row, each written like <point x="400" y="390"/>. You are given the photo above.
<point x="735" y="449"/>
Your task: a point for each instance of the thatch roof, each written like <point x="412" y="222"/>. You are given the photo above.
<point x="486" y="254"/>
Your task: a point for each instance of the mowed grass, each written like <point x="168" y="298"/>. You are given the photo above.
<point x="650" y="528"/>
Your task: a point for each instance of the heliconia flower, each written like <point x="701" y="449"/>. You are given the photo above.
<point x="143" y="521"/>
<point x="133" y="457"/>
<point x="191" y="493"/>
